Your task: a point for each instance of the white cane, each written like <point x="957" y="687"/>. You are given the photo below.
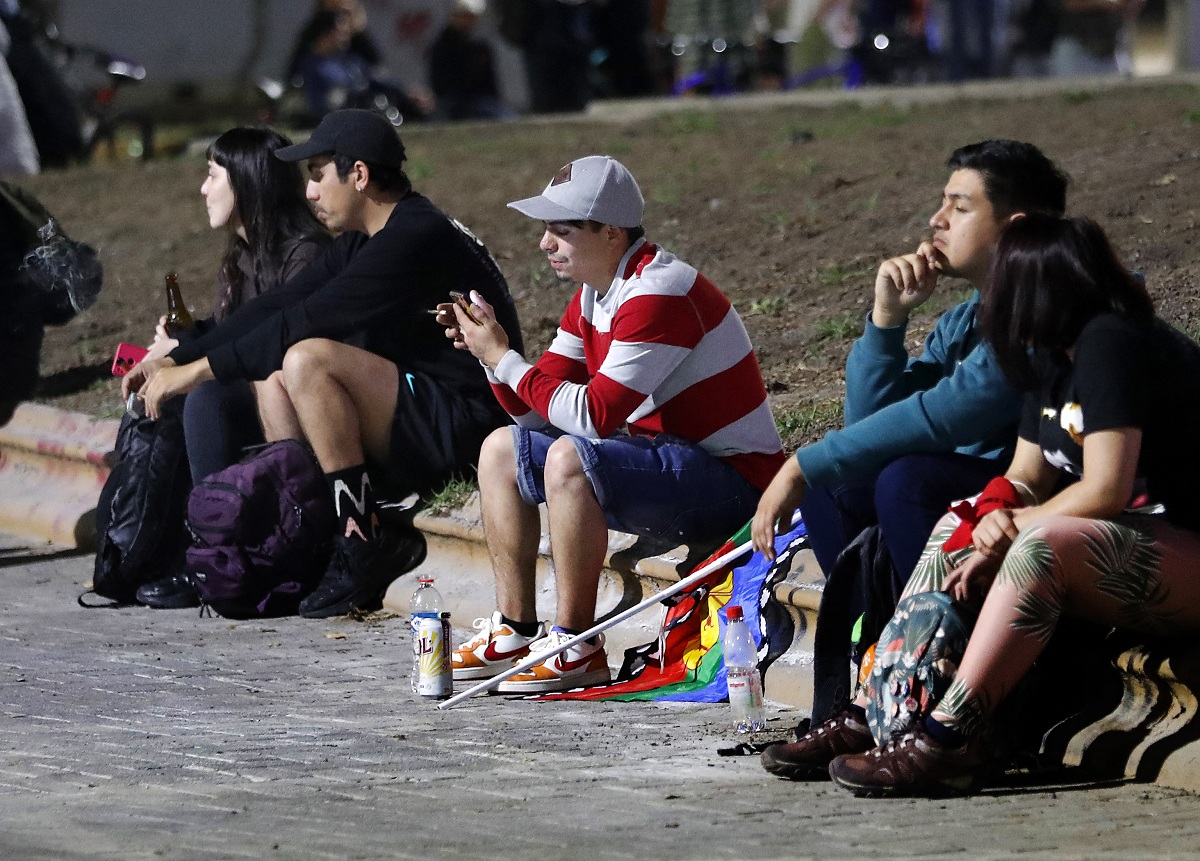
<point x="536" y="658"/>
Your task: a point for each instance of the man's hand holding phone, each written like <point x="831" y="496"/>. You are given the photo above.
<point x="472" y="326"/>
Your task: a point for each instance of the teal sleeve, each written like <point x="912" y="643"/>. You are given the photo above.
<point x="972" y="405"/>
<point x="879" y="371"/>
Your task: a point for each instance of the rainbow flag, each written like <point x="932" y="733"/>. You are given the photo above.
<point x="685" y="663"/>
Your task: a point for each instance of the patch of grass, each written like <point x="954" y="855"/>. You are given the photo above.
<point x="807" y="167"/>
<point x="871" y="203"/>
<point x="833" y="274"/>
<point x="418" y="169"/>
<point x="666" y="192"/>
<point x="807" y="420"/>
<point x="778" y="218"/>
<point x="454" y="495"/>
<point x="1078" y="97"/>
<point x="1191" y="118"/>
<point x="769" y="306"/>
<point x="539" y="273"/>
<point x="689" y="122"/>
<point x="840" y="328"/>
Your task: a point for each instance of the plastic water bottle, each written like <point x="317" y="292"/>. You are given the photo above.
<point x="743" y="678"/>
<point x="426" y="604"/>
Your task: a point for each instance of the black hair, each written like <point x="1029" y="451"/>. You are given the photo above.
<point x="1017" y="176"/>
<point x="390" y="180"/>
<point x="633" y="233"/>
<point x="268" y="195"/>
<point x="1049" y="278"/>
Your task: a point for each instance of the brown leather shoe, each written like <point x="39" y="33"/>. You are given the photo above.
<point x="911" y="765"/>
<point x="808" y="757"/>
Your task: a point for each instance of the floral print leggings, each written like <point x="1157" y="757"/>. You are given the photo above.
<point x="1135" y="571"/>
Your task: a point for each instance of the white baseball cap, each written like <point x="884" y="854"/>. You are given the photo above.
<point x="593" y="188"/>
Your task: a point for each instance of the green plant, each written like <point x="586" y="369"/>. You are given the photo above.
<point x="832" y="274"/>
<point x="1078" y="97"/>
<point x="807" y="167"/>
<point x="453" y="495"/>
<point x="666" y="192"/>
<point x="1191" y="118"/>
<point x="871" y="203"/>
<point x="689" y="122"/>
<point x="807" y="420"/>
<point x="418" y="169"/>
<point x="839" y="328"/>
<point x="768" y="306"/>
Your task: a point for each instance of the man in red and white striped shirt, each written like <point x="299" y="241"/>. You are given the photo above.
<point x="648" y="415"/>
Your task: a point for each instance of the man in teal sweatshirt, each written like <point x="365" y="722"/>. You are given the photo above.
<point x="920" y="432"/>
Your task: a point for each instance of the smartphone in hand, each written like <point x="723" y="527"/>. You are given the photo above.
<point x="462" y="302"/>
<point x="127" y="356"/>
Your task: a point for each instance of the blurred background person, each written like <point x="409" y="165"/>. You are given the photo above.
<point x="462" y="69"/>
<point x="336" y="66"/>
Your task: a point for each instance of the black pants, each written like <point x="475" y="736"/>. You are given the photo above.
<point x="219" y="420"/>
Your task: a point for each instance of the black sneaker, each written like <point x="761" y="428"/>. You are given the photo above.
<point x="170" y="593"/>
<point x="360" y="572"/>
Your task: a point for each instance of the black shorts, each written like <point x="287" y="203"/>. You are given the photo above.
<point x="436" y="434"/>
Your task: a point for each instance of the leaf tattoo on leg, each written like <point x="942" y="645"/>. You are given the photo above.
<point x="965" y="710"/>
<point x="1128" y="561"/>
<point x="1029" y="568"/>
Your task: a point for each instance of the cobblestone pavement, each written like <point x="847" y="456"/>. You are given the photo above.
<point x="132" y="733"/>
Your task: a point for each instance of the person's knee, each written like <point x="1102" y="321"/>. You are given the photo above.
<point x="564" y="471"/>
<point x="304" y="363"/>
<point x="1032" y="560"/>
<point x="497" y="462"/>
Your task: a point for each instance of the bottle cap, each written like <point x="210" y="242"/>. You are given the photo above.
<point x="733" y="612"/>
<point x="425" y="579"/>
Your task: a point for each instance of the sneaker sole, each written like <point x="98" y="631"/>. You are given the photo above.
<point x="475" y="674"/>
<point x="549" y="686"/>
<point x="941" y="789"/>
<point x="794" y="771"/>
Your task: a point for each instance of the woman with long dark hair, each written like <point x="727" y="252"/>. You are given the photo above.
<point x="258" y="200"/>
<point x="1105" y="467"/>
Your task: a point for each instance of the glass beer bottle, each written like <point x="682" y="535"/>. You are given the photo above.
<point x="178" y="318"/>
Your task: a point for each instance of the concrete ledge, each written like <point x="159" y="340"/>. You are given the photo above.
<point x="1153" y="732"/>
<point x="52" y="466"/>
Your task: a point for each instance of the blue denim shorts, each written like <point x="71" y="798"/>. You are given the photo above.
<point x="662" y="487"/>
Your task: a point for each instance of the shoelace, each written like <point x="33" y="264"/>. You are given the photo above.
<point x="550" y="641"/>
<point x="484" y="627"/>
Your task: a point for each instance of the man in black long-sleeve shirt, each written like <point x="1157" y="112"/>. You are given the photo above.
<point x="348" y="357"/>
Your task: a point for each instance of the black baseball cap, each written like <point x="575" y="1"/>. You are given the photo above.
<point x="355" y="133"/>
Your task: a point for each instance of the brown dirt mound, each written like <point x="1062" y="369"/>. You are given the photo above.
<point x="788" y="209"/>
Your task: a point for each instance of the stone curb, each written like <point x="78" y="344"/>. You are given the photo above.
<point x="52" y="467"/>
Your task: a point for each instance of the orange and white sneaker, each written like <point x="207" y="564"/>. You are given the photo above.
<point x="494" y="649"/>
<point x="581" y="666"/>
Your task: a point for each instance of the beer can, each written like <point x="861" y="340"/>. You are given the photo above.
<point x="435" y="680"/>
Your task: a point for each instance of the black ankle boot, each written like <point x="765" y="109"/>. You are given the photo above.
<point x="170" y="593"/>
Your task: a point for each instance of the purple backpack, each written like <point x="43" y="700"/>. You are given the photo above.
<point x="261" y="532"/>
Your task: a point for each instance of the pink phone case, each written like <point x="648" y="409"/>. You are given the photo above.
<point x="127" y="356"/>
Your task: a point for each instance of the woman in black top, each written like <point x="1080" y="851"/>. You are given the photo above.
<point x="1104" y="517"/>
<point x="258" y="200"/>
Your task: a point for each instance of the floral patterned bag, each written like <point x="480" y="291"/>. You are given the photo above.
<point x="915" y="661"/>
